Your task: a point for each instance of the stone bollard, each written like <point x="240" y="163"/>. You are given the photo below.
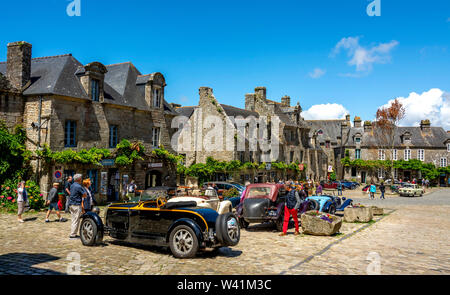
<point x="358" y="214"/>
<point x="312" y="224"/>
<point x="377" y="211"/>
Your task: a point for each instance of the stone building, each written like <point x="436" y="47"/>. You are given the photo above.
<point x="81" y="106"/>
<point x="338" y="138"/>
<point x="291" y="136"/>
<point x="426" y="143"/>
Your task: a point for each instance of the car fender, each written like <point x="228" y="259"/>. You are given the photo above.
<point x="189" y="222"/>
<point x="345" y="204"/>
<point x="224" y="207"/>
<point x="97" y="219"/>
<point x="280" y="208"/>
<point x="326" y="205"/>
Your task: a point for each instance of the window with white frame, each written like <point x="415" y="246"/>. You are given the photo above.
<point x="443" y="162"/>
<point x="155" y="137"/>
<point x="407" y="154"/>
<point x="448" y="147"/>
<point x="380" y="173"/>
<point x="421" y="155"/>
<point x="381" y="154"/>
<point x="394" y="155"/>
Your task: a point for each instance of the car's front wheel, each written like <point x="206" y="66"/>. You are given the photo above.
<point x="89" y="232"/>
<point x="183" y="242"/>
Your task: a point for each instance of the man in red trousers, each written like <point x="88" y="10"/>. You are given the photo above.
<point x="291" y="208"/>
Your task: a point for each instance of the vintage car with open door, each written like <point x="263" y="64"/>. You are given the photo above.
<point x="264" y="202"/>
<point x="183" y="226"/>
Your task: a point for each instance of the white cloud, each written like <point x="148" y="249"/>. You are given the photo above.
<point x="433" y="104"/>
<point x="361" y="57"/>
<point x="317" y="73"/>
<point x="325" y="112"/>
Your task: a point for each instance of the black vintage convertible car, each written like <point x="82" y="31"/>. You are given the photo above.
<point x="182" y="226"/>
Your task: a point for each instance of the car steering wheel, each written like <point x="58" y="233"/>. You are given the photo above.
<point x="161" y="201"/>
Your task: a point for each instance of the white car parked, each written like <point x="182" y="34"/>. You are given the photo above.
<point x="209" y="200"/>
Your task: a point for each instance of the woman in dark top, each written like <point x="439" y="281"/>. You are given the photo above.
<point x="88" y="201"/>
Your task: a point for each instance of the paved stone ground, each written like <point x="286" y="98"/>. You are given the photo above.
<point x="413" y="239"/>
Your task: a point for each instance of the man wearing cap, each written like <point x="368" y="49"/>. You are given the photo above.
<point x="291" y="208"/>
<point x="52" y="202"/>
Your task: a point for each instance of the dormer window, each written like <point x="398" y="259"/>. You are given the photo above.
<point x="406" y="137"/>
<point x="357" y="139"/>
<point x="95" y="90"/>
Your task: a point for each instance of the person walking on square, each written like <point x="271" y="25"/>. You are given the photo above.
<point x="373" y="190"/>
<point x="291" y="209"/>
<point x="52" y="202"/>
<point x="77" y="193"/>
<point x="67" y="192"/>
<point x="382" y="190"/>
<point x="339" y="188"/>
<point x="22" y="200"/>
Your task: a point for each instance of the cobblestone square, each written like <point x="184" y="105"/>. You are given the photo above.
<point x="412" y="237"/>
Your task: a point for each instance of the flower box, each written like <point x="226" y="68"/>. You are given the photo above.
<point x="358" y="214"/>
<point x="320" y="224"/>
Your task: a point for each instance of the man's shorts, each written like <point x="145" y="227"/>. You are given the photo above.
<point x="53" y="206"/>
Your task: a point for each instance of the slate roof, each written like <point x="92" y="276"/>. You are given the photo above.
<point x="58" y="75"/>
<point x="331" y="129"/>
<point x="435" y="138"/>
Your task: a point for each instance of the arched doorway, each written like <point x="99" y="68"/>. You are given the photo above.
<point x="153" y="178"/>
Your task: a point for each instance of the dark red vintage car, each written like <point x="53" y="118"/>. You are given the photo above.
<point x="264" y="202"/>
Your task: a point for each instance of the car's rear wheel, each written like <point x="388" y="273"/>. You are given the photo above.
<point x="227" y="229"/>
<point x="89" y="233"/>
<point x="183" y="242"/>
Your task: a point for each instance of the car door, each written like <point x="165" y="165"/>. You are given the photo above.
<point x="149" y="224"/>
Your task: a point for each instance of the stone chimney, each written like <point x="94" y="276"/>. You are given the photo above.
<point x="206" y="93"/>
<point x="425" y="125"/>
<point x="357" y="122"/>
<point x="260" y="93"/>
<point x="286" y="101"/>
<point x="367" y="126"/>
<point x="18" y="65"/>
<point x="250" y="101"/>
<point x="347" y="119"/>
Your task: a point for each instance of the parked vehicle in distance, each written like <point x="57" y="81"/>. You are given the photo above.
<point x="224" y="186"/>
<point x="208" y="199"/>
<point x="410" y="190"/>
<point x="329" y="204"/>
<point x="349" y="184"/>
<point x="183" y="226"/>
<point x="264" y="202"/>
<point x="330" y="185"/>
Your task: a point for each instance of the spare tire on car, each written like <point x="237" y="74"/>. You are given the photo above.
<point x="227" y="229"/>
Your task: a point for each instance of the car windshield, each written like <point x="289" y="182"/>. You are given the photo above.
<point x="409" y="185"/>
<point x="259" y="192"/>
<point x="239" y="186"/>
<point x="153" y="195"/>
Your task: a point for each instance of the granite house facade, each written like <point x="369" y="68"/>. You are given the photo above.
<point x="363" y="141"/>
<point x="82" y="106"/>
<point x="294" y="144"/>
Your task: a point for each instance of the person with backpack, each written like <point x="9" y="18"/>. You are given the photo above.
<point x="291" y="208"/>
<point x="131" y="190"/>
<point x="52" y="202"/>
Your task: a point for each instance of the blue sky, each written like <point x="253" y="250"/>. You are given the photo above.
<point x="234" y="46"/>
